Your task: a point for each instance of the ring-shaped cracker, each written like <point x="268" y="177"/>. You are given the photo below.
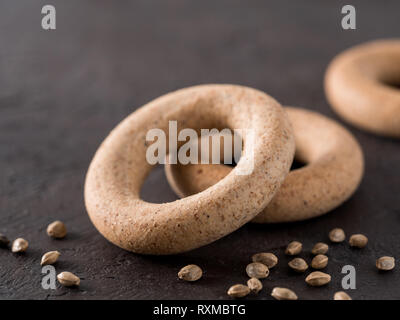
<point x="362" y="84"/>
<point x="333" y="171"/>
<point x="119" y="168"/>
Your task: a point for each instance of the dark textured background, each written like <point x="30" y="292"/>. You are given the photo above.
<point x="62" y="91"/>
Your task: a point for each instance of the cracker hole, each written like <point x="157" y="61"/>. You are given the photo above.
<point x="297" y="165"/>
<point x="395" y="84"/>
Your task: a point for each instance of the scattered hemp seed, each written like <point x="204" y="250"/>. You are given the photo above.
<point x="49" y="258"/>
<point x="269" y="259"/>
<point x="341" y="295"/>
<point x="68" y="279"/>
<point x="283" y="294"/>
<point x="385" y="263"/>
<point x="3" y="241"/>
<point x="190" y="272"/>
<point x="320" y="248"/>
<point x="257" y="270"/>
<point x="317" y="279"/>
<point x="320" y="261"/>
<point x="57" y="230"/>
<point x="19" y="245"/>
<point x="294" y="248"/>
<point x="298" y="265"/>
<point x="238" y="291"/>
<point x="337" y="235"/>
<point x="358" y="240"/>
<point x="255" y="285"/>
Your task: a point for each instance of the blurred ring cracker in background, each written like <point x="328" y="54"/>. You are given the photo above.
<point x="362" y="84"/>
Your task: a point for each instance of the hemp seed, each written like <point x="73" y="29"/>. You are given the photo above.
<point x="294" y="248"/>
<point x="255" y="285"/>
<point x="267" y="258"/>
<point x="320" y="248"/>
<point x="283" y="294"/>
<point x="317" y="279"/>
<point x="68" y="279"/>
<point x="19" y="245"/>
<point x="49" y="258"/>
<point x="238" y="291"/>
<point x="4" y="241"/>
<point x="190" y="272"/>
<point x="57" y="229"/>
<point x="320" y="261"/>
<point x="257" y="270"/>
<point x="298" y="265"/>
<point x="337" y="235"/>
<point x="385" y="263"/>
<point x="341" y="295"/>
<point x="358" y="240"/>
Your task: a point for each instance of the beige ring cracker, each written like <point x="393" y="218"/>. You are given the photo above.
<point x="333" y="171"/>
<point x="363" y="86"/>
<point x="119" y="168"/>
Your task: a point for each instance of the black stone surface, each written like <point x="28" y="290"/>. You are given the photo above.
<point x="62" y="91"/>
